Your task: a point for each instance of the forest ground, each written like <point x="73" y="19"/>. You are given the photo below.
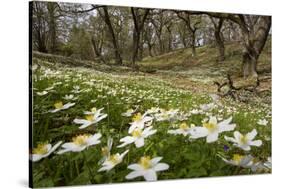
<point x="196" y="74"/>
<point x="170" y="81"/>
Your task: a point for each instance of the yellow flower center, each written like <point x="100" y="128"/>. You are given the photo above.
<point x="237" y="158"/>
<point x="105" y="151"/>
<point x="40" y="149"/>
<point x="114" y="159"/>
<point x="90" y="117"/>
<point x="136" y="133"/>
<point x="137" y="117"/>
<point x="145" y="162"/>
<point x="184" y="126"/>
<point x="244" y="139"/>
<point x="80" y="139"/>
<point x="93" y="109"/>
<point x="210" y="126"/>
<point x="58" y="105"/>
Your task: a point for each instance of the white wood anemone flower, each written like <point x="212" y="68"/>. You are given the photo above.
<point x="138" y="136"/>
<point x="76" y="89"/>
<point x="42" y="93"/>
<point x="147" y="168"/>
<point x="240" y="160"/>
<point x="212" y="129"/>
<point x="256" y="166"/>
<point x="183" y="129"/>
<point x="207" y="107"/>
<point x="60" y="106"/>
<point x="70" y="97"/>
<point x="91" y="117"/>
<point x="43" y="150"/>
<point x="128" y="113"/>
<point x="112" y="160"/>
<point x="166" y="115"/>
<point x="153" y="110"/>
<point x="262" y="122"/>
<point x="80" y="143"/>
<point x="139" y="121"/>
<point x="106" y="150"/>
<point x="244" y="141"/>
<point x="268" y="163"/>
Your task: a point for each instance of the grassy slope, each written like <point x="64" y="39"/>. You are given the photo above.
<point x="198" y="73"/>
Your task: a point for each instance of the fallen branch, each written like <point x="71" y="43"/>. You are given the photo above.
<point x="232" y="90"/>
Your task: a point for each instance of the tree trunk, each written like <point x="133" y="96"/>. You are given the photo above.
<point x="52" y="26"/>
<point x="193" y="41"/>
<point x="191" y="30"/>
<point x="136" y="39"/>
<point x="249" y="65"/>
<point x="253" y="45"/>
<point x="150" y="50"/>
<point x="254" y="34"/>
<point x="118" y="59"/>
<point x="138" y="27"/>
<point x="169" y="38"/>
<point x="39" y="27"/>
<point x="97" y="50"/>
<point x="218" y="37"/>
<point x="219" y="40"/>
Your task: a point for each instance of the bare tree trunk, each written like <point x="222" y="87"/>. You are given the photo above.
<point x="253" y="44"/>
<point x="249" y="65"/>
<point x="219" y="38"/>
<point x="39" y="27"/>
<point x="169" y="37"/>
<point x="97" y="50"/>
<point x="191" y="29"/>
<point x="255" y="30"/>
<point x="52" y="26"/>
<point x="193" y="41"/>
<point x="138" y="27"/>
<point x="150" y="50"/>
<point x="118" y="59"/>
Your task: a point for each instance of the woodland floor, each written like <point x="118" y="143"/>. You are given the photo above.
<point x="170" y="81"/>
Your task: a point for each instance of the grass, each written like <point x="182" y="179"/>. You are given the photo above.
<point x="198" y="73"/>
<point x="117" y="92"/>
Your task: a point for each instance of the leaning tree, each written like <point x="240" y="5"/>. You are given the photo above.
<point x="255" y="30"/>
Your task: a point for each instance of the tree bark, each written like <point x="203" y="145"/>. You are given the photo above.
<point x="254" y="34"/>
<point x="219" y="38"/>
<point x="39" y="27"/>
<point x="138" y="27"/>
<point x="191" y="29"/>
<point x="254" y="42"/>
<point x="193" y="40"/>
<point x="118" y="59"/>
<point x="97" y="50"/>
<point x="52" y="26"/>
<point x="169" y="37"/>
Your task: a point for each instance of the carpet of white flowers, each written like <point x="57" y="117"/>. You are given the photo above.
<point x="91" y="127"/>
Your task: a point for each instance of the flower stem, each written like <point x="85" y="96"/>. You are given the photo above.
<point x="89" y="168"/>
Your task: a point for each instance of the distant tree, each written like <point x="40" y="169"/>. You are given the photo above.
<point x="159" y="20"/>
<point x="218" y="23"/>
<point x="80" y="43"/>
<point x="149" y="37"/>
<point x="255" y="30"/>
<point x="106" y="17"/>
<point x="192" y="27"/>
<point x="52" y="25"/>
<point x="40" y="26"/>
<point x="139" y="16"/>
<point x="97" y="31"/>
